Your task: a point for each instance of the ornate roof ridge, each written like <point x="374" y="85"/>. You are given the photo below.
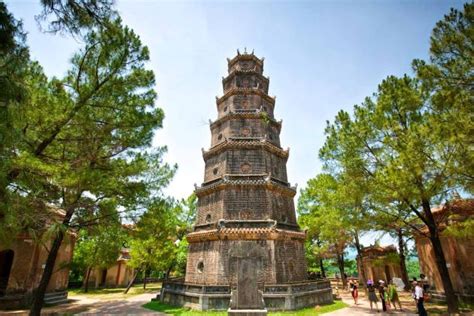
<point x="254" y="114"/>
<point x="245" y="56"/>
<point x="245" y="233"/>
<point x="259" y="180"/>
<point x="239" y="143"/>
<point x="235" y="90"/>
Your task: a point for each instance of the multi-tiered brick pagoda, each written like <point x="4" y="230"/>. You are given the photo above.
<point x="246" y="196"/>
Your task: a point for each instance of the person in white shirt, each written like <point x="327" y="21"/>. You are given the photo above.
<point x="418" y="296"/>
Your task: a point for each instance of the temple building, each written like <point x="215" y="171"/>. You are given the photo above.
<point x="21" y="267"/>
<point x="380" y="263"/>
<point x="117" y="275"/>
<point x="457" y="250"/>
<point x="246" y="198"/>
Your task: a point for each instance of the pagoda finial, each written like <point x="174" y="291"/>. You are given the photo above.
<point x="245" y="50"/>
<point x="253" y="51"/>
<point x="238" y="52"/>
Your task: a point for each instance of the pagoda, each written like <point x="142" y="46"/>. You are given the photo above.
<point x="246" y="197"/>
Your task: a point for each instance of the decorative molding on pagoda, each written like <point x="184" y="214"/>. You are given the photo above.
<point x="244" y="91"/>
<point x="231" y="180"/>
<point x="248" y="142"/>
<point x="254" y="71"/>
<point x="250" y="114"/>
<point x="254" y="233"/>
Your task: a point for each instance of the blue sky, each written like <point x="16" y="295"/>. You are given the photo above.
<point x="321" y="57"/>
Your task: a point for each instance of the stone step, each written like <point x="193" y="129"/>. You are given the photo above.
<point x="55" y="298"/>
<point x="55" y="295"/>
<point x="56" y="301"/>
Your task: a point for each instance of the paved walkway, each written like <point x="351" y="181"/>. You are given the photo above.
<point x="363" y="307"/>
<point x="83" y="305"/>
<point x="129" y="306"/>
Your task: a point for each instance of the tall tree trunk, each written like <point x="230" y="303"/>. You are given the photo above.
<point x="451" y="298"/>
<point x="401" y="251"/>
<point x="321" y="265"/>
<point x="167" y="276"/>
<point x="359" y="260"/>
<point x="38" y="299"/>
<point x="340" y="264"/>
<point x="131" y="282"/>
<point x="86" y="284"/>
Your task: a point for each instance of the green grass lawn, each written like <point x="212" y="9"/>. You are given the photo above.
<point x="116" y="293"/>
<point x="181" y="311"/>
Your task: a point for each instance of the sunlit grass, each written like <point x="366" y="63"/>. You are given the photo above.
<point x="116" y="293"/>
<point x="181" y="311"/>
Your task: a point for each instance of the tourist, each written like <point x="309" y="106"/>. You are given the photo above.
<point x="355" y="290"/>
<point x="424" y="283"/>
<point x="393" y="295"/>
<point x="419" y="299"/>
<point x="382" y="295"/>
<point x="372" y="295"/>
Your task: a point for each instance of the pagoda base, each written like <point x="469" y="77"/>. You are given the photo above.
<point x="289" y="296"/>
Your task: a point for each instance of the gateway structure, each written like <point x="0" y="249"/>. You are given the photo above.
<point x="246" y="200"/>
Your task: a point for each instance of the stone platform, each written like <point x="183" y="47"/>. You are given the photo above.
<point x="289" y="296"/>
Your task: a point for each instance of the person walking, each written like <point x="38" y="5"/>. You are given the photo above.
<point x="382" y="295"/>
<point x="372" y="295"/>
<point x="393" y="295"/>
<point x="355" y="291"/>
<point x="419" y="299"/>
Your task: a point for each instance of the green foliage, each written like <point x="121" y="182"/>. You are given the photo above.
<point x="449" y="75"/>
<point x="463" y="229"/>
<point x="413" y="267"/>
<point x="321" y="216"/>
<point x="14" y="61"/>
<point x="74" y="16"/>
<point x="411" y="141"/>
<point x="84" y="138"/>
<point x="158" y="241"/>
<point x="265" y="117"/>
<point x="99" y="247"/>
<point x="389" y="258"/>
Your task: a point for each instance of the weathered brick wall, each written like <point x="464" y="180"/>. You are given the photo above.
<point x="290" y="262"/>
<point x="210" y="208"/>
<point x="237" y="161"/>
<point x="284" y="262"/>
<point x="246" y="203"/>
<point x="244" y="127"/>
<point x="27" y="267"/>
<point x="246" y="81"/>
<point x="215" y="167"/>
<point x="458" y="253"/>
<point x="282" y="207"/>
<point x="245" y="102"/>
